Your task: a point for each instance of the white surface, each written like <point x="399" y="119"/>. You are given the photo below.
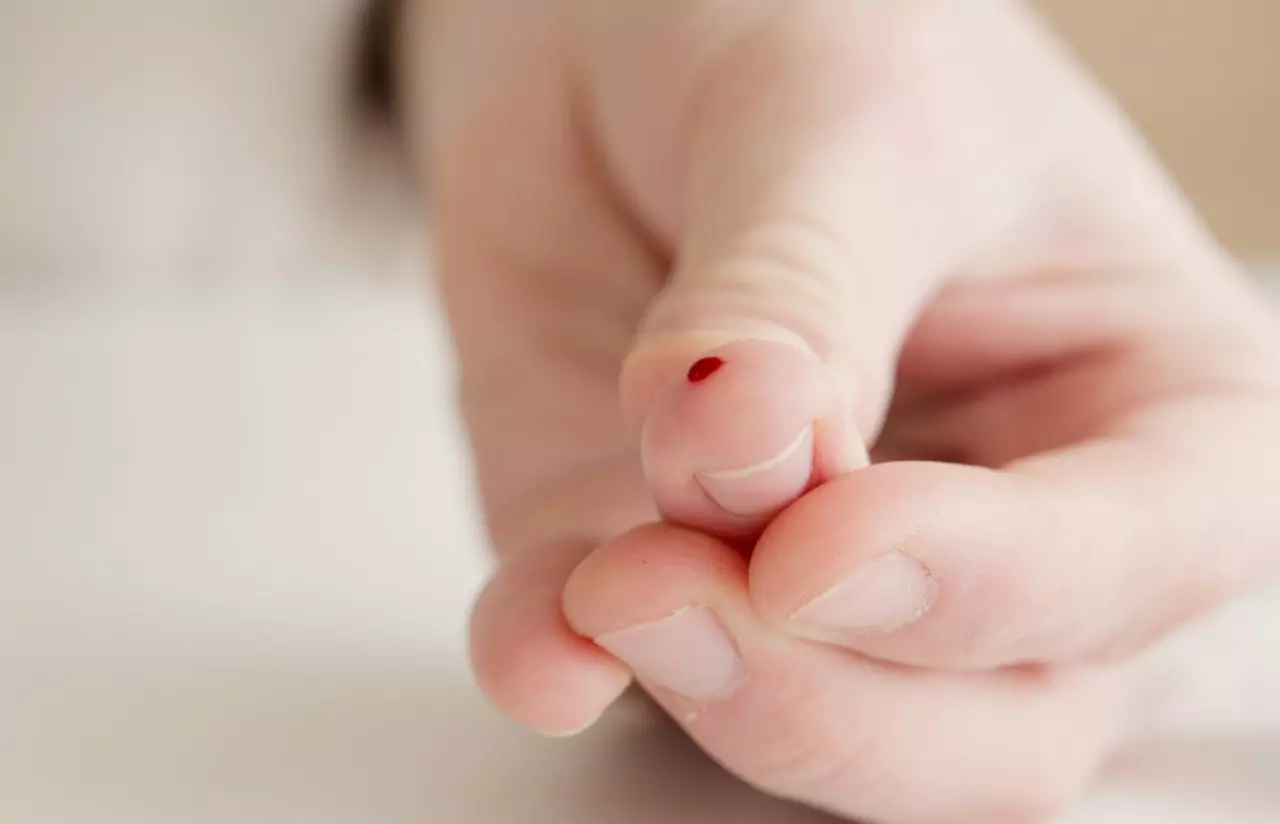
<point x="239" y="547"/>
<point x="237" y="539"/>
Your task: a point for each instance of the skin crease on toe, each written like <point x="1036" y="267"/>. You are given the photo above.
<point x="738" y="435"/>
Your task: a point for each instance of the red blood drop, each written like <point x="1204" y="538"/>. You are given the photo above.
<point x="703" y="369"/>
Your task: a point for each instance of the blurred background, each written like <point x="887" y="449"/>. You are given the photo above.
<point x="202" y="136"/>
<point x="1202" y="79"/>
<point x="237" y="538"/>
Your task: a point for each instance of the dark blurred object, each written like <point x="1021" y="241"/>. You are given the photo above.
<point x="375" y="80"/>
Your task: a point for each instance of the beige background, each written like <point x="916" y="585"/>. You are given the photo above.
<point x="1202" y="78"/>
<point x="115" y="153"/>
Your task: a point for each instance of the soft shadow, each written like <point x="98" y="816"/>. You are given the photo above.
<point x="347" y="732"/>
<point x="1235" y="774"/>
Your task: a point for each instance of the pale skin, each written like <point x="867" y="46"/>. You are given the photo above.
<point x="914" y="229"/>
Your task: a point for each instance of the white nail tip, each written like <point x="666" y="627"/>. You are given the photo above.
<point x="762" y="466"/>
